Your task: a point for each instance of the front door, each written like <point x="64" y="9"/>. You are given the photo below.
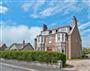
<point x="49" y="49"/>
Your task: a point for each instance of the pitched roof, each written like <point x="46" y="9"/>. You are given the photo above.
<point x="20" y="46"/>
<point x="59" y="28"/>
<point x="27" y="45"/>
<point x="1" y="45"/>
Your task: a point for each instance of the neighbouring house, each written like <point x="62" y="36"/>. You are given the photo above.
<point x="88" y="56"/>
<point x="64" y="39"/>
<point x="21" y="46"/>
<point x="3" y="47"/>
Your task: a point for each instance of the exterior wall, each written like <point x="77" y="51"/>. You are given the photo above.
<point x="40" y="45"/>
<point x="3" y="47"/>
<point x="50" y="42"/>
<point x="75" y="47"/>
<point x="13" y="48"/>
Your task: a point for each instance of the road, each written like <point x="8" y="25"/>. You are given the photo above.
<point x="14" y="65"/>
<point x="10" y="67"/>
<point x="7" y="68"/>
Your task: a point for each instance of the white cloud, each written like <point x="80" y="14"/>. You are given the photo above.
<point x="3" y="9"/>
<point x="85" y="34"/>
<point x="53" y="7"/>
<point x="64" y="7"/>
<point x="85" y="41"/>
<point x="27" y="5"/>
<point x="32" y="4"/>
<point x="11" y="34"/>
<point x="48" y="11"/>
<point x="83" y="26"/>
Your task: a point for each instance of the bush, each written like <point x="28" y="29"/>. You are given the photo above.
<point x="41" y="56"/>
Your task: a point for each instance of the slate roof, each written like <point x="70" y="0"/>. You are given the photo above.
<point x="19" y="46"/>
<point x="1" y="45"/>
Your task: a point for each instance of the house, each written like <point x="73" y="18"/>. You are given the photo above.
<point x="64" y="39"/>
<point x="3" y="47"/>
<point x="21" y="46"/>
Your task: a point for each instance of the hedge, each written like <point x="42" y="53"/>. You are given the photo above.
<point x="41" y="56"/>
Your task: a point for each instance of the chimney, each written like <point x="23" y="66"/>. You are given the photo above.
<point x="45" y="27"/>
<point x="35" y="40"/>
<point x="23" y="43"/>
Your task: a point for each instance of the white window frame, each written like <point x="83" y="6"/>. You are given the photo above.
<point x="41" y="39"/>
<point x="60" y="36"/>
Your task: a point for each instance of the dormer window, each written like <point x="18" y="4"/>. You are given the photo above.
<point x="56" y="31"/>
<point x="50" y="32"/>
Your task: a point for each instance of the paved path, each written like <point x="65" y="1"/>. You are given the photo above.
<point x="79" y="65"/>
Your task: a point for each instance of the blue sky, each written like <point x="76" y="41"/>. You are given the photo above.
<point x="23" y="19"/>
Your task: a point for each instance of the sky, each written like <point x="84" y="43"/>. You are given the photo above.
<point x="23" y="19"/>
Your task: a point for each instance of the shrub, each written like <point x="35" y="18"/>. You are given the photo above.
<point x="41" y="56"/>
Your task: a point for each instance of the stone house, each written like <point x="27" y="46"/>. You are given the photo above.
<point x="21" y="46"/>
<point x="64" y="39"/>
<point x="3" y="47"/>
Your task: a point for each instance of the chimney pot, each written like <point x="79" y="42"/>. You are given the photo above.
<point x="45" y="27"/>
<point x="23" y="43"/>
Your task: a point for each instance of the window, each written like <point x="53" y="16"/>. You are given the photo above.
<point x="56" y="31"/>
<point x="42" y="39"/>
<point x="38" y="39"/>
<point x="59" y="49"/>
<point x="50" y="31"/>
<point x="59" y="37"/>
<point x="63" y="37"/>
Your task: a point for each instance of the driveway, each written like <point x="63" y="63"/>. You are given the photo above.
<point x="78" y="65"/>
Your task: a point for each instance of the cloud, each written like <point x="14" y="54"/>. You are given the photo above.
<point x="84" y="29"/>
<point x="63" y="7"/>
<point x="85" y="34"/>
<point x="12" y="34"/>
<point x="85" y="41"/>
<point x="52" y="7"/>
<point x="3" y="9"/>
<point x="48" y="11"/>
<point x="83" y="26"/>
<point x="26" y="6"/>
